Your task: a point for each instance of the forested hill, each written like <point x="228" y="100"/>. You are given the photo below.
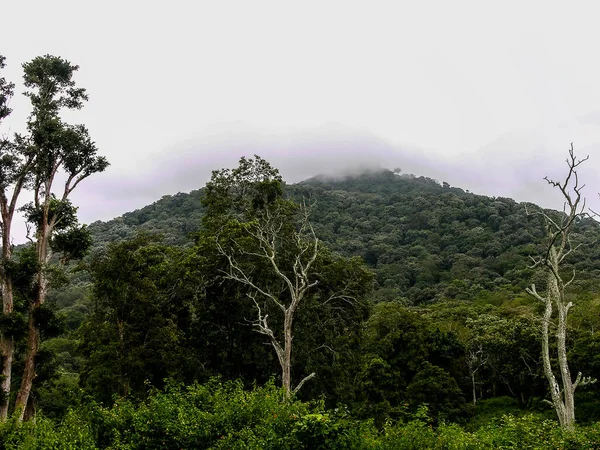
<point x="424" y="240"/>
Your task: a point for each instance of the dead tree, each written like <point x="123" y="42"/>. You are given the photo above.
<point x="475" y="361"/>
<point x="559" y="246"/>
<point x="295" y="276"/>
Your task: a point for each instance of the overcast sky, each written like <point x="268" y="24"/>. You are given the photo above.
<point x="484" y="95"/>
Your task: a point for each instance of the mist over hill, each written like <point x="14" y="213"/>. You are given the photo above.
<point x="510" y="166"/>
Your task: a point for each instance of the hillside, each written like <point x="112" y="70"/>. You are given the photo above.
<point x="424" y="240"/>
<point x="448" y="324"/>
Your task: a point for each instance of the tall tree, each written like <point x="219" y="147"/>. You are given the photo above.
<point x="16" y="160"/>
<point x="270" y="248"/>
<point x="293" y="283"/>
<point x="560" y="244"/>
<point x="57" y="149"/>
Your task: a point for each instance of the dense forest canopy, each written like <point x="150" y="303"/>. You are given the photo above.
<point x="424" y="240"/>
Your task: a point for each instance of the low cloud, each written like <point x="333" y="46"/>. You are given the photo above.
<point x="513" y="165"/>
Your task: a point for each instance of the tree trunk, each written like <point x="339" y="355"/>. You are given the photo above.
<point x="30" y="409"/>
<point x="548" y="372"/>
<point x="33" y="344"/>
<point x="33" y="337"/>
<point x="474" y="392"/>
<point x="7" y="345"/>
<point x="568" y="391"/>
<point x="286" y="369"/>
<point x="8" y="351"/>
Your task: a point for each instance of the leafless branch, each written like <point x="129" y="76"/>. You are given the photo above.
<point x="532" y="291"/>
<point x="304" y="380"/>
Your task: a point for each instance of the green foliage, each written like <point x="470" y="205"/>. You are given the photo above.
<point x="214" y="415"/>
<point x="50" y="79"/>
<point x="72" y="243"/>
<point x="61" y="211"/>
<point x="51" y="87"/>
<point x="13" y="324"/>
<point x="134" y="334"/>
<point x="22" y="269"/>
<point x="51" y="149"/>
<point x="408" y="362"/>
<point x="425" y="242"/>
<point x="433" y="386"/>
<point x="449" y="267"/>
<point x="222" y="415"/>
<point x="173" y="217"/>
<point x="511" y="349"/>
<point x="72" y="433"/>
<point x="242" y="192"/>
<point x="6" y="92"/>
<point x="268" y="238"/>
<point x="58" y="390"/>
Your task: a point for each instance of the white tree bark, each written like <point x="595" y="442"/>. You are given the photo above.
<point x="297" y="280"/>
<point x="475" y="361"/>
<point x="559" y="247"/>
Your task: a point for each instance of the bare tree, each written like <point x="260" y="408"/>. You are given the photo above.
<point x="560" y="245"/>
<point x="475" y="361"/>
<point x="295" y="277"/>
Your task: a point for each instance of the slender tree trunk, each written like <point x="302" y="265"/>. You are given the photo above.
<point x="30" y="409"/>
<point x="548" y="372"/>
<point x="286" y="369"/>
<point x="7" y="345"/>
<point x="474" y="392"/>
<point x="8" y="351"/>
<point x="33" y="344"/>
<point x="559" y="234"/>
<point x="562" y="394"/>
<point x="568" y="390"/>
<point x="33" y="337"/>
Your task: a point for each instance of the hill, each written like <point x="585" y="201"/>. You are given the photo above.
<point x="424" y="240"/>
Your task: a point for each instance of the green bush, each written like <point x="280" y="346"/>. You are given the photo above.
<point x="223" y="415"/>
<point x="72" y="433"/>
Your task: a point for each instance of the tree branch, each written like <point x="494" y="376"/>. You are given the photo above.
<point x="304" y="380"/>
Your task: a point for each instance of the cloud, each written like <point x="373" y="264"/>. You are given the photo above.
<point x="513" y="165"/>
<point x="592" y="118"/>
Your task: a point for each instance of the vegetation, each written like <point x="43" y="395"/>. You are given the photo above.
<point x="374" y="311"/>
<point x="560" y="244"/>
<point x="34" y="161"/>
<point x="226" y="416"/>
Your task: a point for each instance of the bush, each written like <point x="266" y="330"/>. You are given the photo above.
<point x="72" y="433"/>
<point x="222" y="415"/>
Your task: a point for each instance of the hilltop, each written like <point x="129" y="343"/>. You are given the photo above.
<point x="425" y="240"/>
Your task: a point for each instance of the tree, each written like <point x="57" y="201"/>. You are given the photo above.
<point x="295" y="284"/>
<point x="434" y="387"/>
<point x="505" y="352"/>
<point x="134" y="334"/>
<point x="16" y="161"/>
<point x="475" y="360"/>
<point x="398" y="345"/>
<point x="270" y="248"/>
<point x="560" y="244"/>
<point x="50" y="150"/>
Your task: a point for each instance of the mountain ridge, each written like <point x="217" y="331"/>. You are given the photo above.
<point x="424" y="239"/>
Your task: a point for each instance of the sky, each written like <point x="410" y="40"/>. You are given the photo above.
<point x="484" y="95"/>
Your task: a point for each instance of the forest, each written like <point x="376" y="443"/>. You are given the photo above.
<point x="379" y="310"/>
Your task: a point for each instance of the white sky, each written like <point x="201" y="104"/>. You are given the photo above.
<point x="485" y="95"/>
